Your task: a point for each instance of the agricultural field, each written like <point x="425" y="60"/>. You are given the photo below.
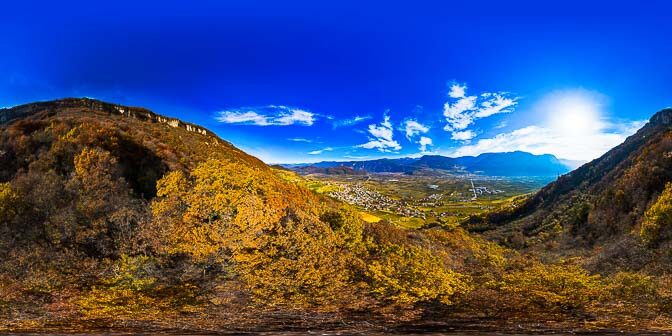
<point x="424" y="199"/>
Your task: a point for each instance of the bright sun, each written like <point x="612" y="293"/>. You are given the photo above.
<point x="574" y="112"/>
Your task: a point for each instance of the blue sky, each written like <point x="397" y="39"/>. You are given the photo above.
<point x="301" y="81"/>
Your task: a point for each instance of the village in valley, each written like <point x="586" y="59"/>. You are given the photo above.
<point x="421" y="199"/>
<point x="370" y="200"/>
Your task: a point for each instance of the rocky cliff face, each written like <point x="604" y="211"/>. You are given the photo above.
<point x="663" y="117"/>
<point x="7" y="115"/>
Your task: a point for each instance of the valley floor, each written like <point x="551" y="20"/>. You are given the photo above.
<point x="414" y="201"/>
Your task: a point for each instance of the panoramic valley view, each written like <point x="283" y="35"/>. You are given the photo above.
<point x="335" y="168"/>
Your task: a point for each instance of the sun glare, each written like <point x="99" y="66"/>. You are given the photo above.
<point x="574" y="112"/>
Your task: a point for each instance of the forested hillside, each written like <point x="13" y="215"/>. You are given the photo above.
<point x="116" y="217"/>
<point x="616" y="207"/>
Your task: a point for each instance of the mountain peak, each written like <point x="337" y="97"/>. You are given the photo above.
<point x="662" y="117"/>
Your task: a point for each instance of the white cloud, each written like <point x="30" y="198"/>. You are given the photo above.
<point x="271" y="115"/>
<point x="424" y="142"/>
<point x="320" y="151"/>
<point x="627" y="127"/>
<point x="296" y="116"/>
<point x="459" y="114"/>
<point x="300" y="140"/>
<point x="575" y="128"/>
<point x="457" y="91"/>
<point x="413" y="128"/>
<point x="461" y="111"/>
<point x="540" y="140"/>
<point x="381" y="137"/>
<point x="495" y="103"/>
<point x="349" y="122"/>
<point x="249" y="117"/>
<point x="463" y="135"/>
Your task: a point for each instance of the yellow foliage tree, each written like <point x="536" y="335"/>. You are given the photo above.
<point x="108" y="215"/>
<point x="98" y="177"/>
<point x="657" y="220"/>
<point x="347" y="223"/>
<point x="8" y="202"/>
<point x="268" y="230"/>
<point x="299" y="261"/>
<point x="550" y="287"/>
<point x="407" y="275"/>
<point x="221" y="206"/>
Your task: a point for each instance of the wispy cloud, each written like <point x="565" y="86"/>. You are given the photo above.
<point x="424" y="142"/>
<point x="270" y="115"/>
<point x="240" y="117"/>
<point x="349" y="122"/>
<point x="576" y="129"/>
<point x="381" y="137"/>
<point x="320" y="151"/>
<point x="463" y="135"/>
<point x="300" y="140"/>
<point x="461" y="111"/>
<point x="412" y="128"/>
<point x="502" y="124"/>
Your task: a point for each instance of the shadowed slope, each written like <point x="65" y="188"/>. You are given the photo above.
<point x="602" y="203"/>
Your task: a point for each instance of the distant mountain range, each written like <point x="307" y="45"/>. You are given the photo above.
<point x="338" y="170"/>
<point x="516" y="163"/>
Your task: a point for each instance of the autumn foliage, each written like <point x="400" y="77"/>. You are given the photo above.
<point x="106" y="221"/>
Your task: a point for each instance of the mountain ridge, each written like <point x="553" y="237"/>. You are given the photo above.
<point x="515" y="163"/>
<point x="9" y="114"/>
<point x="601" y="205"/>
